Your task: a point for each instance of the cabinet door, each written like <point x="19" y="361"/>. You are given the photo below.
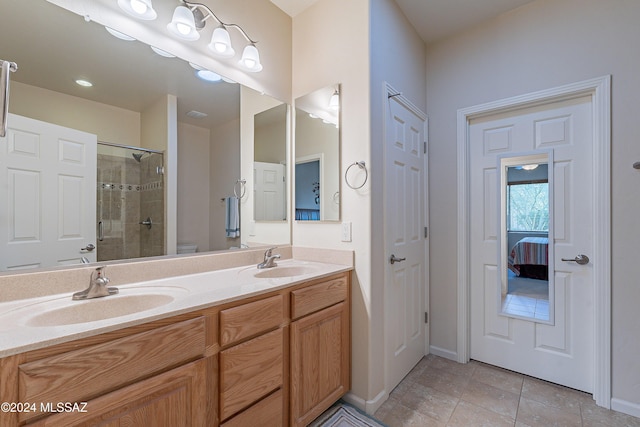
<point x="177" y="398"/>
<point x="320" y="362"/>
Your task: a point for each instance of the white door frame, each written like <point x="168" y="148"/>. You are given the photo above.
<point x="600" y="90"/>
<point x="388" y="91"/>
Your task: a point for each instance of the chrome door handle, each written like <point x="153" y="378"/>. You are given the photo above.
<point x="580" y="259"/>
<point x="90" y="247"/>
<point x="395" y="259"/>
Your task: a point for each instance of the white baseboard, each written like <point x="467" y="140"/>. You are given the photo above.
<point x="625" y="407"/>
<point x="367" y="406"/>
<point x="447" y="354"/>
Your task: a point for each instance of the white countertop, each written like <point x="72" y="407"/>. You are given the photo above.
<point x="177" y="295"/>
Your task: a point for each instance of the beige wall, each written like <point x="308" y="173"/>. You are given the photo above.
<point x="541" y="45"/>
<point x="225" y="170"/>
<point x="109" y="123"/>
<point x="193" y="186"/>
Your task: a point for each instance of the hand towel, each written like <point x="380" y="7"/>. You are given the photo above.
<point x="232" y="220"/>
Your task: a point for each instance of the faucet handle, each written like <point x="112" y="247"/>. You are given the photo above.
<point x="98" y="275"/>
<point x="267" y="253"/>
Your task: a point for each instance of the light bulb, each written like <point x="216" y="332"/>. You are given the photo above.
<point x="183" y="28"/>
<point x="139" y="7"/>
<point x="221" y="43"/>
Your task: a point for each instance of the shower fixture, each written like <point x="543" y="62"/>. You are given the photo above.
<point x="138" y="156"/>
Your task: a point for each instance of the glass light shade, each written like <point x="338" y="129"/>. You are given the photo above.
<point x="162" y="52"/>
<point x="183" y="24"/>
<point x="141" y="9"/>
<point x="334" y="101"/>
<point x="250" y="60"/>
<point x="221" y="43"/>
<point x="530" y="167"/>
<point x="118" y="34"/>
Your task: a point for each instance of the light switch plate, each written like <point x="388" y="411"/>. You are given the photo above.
<point x="346" y="231"/>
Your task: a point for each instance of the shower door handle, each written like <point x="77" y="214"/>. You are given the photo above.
<point x="100" y="231"/>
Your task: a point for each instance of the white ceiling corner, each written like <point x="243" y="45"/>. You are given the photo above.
<point x="293" y="7"/>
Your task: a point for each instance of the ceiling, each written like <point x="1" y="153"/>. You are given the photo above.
<point x="432" y="19"/>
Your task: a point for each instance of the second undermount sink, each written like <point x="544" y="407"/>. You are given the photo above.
<point x="64" y="311"/>
<point x="285" y="271"/>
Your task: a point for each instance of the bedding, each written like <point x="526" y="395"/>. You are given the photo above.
<point x="529" y="257"/>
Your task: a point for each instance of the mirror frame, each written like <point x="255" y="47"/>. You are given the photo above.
<point x="336" y="87"/>
<point x="503" y="163"/>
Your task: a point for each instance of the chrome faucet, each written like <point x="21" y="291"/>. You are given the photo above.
<point x="269" y="259"/>
<point x="97" y="286"/>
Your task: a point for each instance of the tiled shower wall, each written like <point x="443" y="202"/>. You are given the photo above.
<point x="128" y="193"/>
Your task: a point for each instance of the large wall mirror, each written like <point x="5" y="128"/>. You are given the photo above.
<point x="317" y="155"/>
<point x="151" y="121"/>
<point x="526" y="288"/>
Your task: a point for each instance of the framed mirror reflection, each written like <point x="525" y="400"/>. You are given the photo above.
<point x="526" y="286"/>
<point x="175" y="143"/>
<point x="317" y="155"/>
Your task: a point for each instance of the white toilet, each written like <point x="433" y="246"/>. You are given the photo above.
<point x="187" y="248"/>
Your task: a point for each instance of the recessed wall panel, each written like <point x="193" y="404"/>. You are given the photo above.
<point x="24" y="205"/>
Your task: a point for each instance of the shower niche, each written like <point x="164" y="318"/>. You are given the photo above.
<point x="130" y="203"/>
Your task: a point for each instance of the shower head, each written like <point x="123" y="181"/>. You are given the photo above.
<point x="138" y="156"/>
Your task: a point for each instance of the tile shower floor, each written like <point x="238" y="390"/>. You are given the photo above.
<point x="440" y="392"/>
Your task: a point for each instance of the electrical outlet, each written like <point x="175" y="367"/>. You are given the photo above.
<point x="346" y="231"/>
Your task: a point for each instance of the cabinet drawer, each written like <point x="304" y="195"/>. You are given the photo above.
<point x="250" y="319"/>
<point x="88" y="372"/>
<point x="317" y="297"/>
<point x="266" y="413"/>
<point x="250" y="371"/>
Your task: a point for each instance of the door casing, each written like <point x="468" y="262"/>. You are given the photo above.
<point x="600" y="91"/>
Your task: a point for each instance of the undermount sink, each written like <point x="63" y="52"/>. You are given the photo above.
<point x="288" y="271"/>
<point x="64" y="311"/>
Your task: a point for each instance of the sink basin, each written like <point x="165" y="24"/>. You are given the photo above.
<point x="288" y="271"/>
<point x="64" y="311"/>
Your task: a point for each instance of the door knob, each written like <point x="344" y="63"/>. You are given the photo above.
<point x="90" y="247"/>
<point x="394" y="259"/>
<point x="580" y="259"/>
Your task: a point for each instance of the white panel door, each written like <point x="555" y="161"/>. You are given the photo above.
<point x="48" y="194"/>
<point x="269" y="189"/>
<point x="405" y="171"/>
<point x="562" y="353"/>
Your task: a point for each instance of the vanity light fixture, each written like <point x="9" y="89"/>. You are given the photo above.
<point x="190" y="17"/>
<point x="141" y="9"/>
<point x="334" y="101"/>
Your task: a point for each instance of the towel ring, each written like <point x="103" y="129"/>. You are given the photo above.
<point x="242" y="190"/>
<point x="361" y="164"/>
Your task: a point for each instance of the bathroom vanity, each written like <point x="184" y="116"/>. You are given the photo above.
<point x="274" y="352"/>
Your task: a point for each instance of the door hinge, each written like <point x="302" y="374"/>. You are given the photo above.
<point x="426" y="232"/>
<point x="426" y="317"/>
<point x="424" y="143"/>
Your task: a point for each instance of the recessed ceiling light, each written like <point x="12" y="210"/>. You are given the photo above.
<point x="196" y="114"/>
<point x="208" y="76"/>
<point x="84" y="83"/>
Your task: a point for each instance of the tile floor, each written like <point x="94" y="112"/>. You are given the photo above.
<point x="440" y="392"/>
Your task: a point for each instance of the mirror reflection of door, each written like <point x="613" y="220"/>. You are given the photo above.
<point x="270" y="136"/>
<point x="525" y="225"/>
<point x="308" y="190"/>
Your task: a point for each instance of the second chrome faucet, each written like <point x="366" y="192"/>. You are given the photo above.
<point x="269" y="259"/>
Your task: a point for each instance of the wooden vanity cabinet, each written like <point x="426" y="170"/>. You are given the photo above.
<point x="320" y="348"/>
<point x="278" y="359"/>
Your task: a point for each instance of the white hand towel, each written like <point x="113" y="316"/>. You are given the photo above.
<point x="232" y="220"/>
